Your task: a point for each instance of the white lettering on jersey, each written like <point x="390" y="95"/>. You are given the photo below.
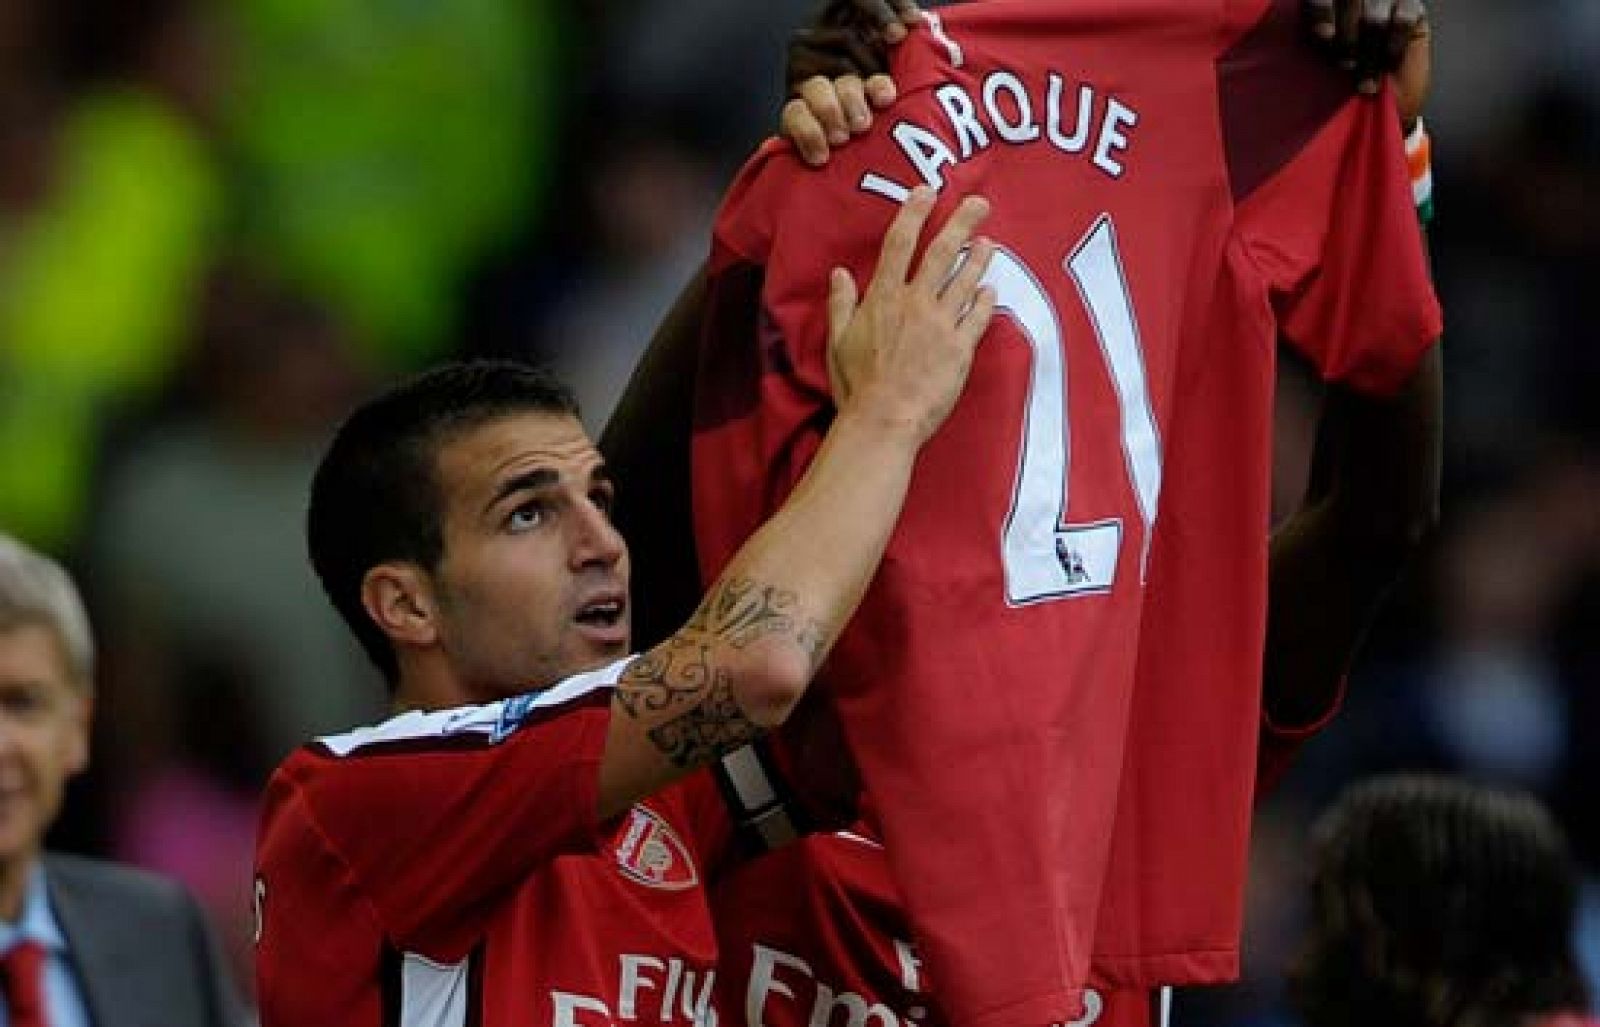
<point x="926" y="151"/>
<point x="650" y="989"/>
<point x="1093" y="1007"/>
<point x="951" y="47"/>
<point x="1007" y="113"/>
<point x="764" y="980"/>
<point x="1075" y="142"/>
<point x="1021" y="130"/>
<point x="766" y="985"/>
<point x="826" y="1004"/>
<point x="568" y="1006"/>
<point x="963" y="116"/>
<point x="894" y="192"/>
<point x="857" y="1013"/>
<point x="910" y="965"/>
<point x="1111" y="137"/>
<point x="633" y="981"/>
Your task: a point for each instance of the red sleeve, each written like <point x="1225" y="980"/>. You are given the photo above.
<point x="432" y="815"/>
<point x="760" y="402"/>
<point x="779" y="232"/>
<point x="1336" y="237"/>
<point x="746" y="219"/>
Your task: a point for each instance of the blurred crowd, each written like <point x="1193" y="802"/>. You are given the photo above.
<point x="220" y="222"/>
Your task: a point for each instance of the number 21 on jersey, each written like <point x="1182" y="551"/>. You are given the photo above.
<point x="1045" y="557"/>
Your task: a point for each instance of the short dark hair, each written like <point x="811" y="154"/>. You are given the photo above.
<point x="1439" y="903"/>
<point x="375" y="497"/>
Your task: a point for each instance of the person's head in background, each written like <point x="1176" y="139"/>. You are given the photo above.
<point x="46" y="694"/>
<point x="1438" y="903"/>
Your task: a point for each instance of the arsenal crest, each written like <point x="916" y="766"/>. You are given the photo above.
<point x="649" y="852"/>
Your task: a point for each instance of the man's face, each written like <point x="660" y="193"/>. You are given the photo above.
<point x="533" y="584"/>
<point x="44" y="736"/>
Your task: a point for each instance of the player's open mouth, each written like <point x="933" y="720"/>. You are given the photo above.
<point x="601" y="614"/>
<point x="604" y="618"/>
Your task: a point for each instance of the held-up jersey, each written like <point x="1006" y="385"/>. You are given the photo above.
<point x="445" y="869"/>
<point x="815" y="933"/>
<point x="1063" y="644"/>
<point x="816" y="928"/>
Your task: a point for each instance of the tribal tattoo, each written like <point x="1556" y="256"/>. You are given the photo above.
<point x="676" y="671"/>
<point x="714" y="727"/>
<point x="742" y="611"/>
<point x="682" y="671"/>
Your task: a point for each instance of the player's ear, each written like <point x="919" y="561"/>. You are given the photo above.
<point x="399" y="598"/>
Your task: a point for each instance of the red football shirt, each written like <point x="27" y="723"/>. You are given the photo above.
<point x="1325" y="249"/>
<point x="817" y="927"/>
<point x="815" y="932"/>
<point x="448" y="869"/>
<point x="1063" y="644"/>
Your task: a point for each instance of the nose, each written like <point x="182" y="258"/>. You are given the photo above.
<point x="597" y="541"/>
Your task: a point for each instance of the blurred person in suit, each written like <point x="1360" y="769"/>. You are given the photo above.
<point x="1440" y="903"/>
<point x="81" y="941"/>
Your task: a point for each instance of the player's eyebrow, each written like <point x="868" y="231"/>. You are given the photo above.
<point x="527" y="481"/>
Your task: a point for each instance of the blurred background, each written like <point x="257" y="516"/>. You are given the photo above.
<point x="221" y="221"/>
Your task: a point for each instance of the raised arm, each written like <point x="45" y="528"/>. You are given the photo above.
<point x="646" y="445"/>
<point x="1373" y="498"/>
<point x="743" y="661"/>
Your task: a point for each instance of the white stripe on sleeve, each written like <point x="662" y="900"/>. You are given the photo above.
<point x="492" y="720"/>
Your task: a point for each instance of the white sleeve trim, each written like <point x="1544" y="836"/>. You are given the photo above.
<point x="493" y="720"/>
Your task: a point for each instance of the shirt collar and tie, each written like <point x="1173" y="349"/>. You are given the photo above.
<point x="22" y="983"/>
<point x="31" y="951"/>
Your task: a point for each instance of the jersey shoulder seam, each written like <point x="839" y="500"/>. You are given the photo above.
<point x="315" y="826"/>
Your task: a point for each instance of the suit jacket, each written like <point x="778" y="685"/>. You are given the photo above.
<point x="143" y="952"/>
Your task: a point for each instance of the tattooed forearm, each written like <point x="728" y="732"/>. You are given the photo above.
<point x="741" y="611"/>
<point x="677" y="671"/>
<point x="686" y="690"/>
<point x="813" y="638"/>
<point x="714" y="727"/>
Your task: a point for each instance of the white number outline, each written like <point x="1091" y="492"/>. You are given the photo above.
<point x="1044" y="557"/>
